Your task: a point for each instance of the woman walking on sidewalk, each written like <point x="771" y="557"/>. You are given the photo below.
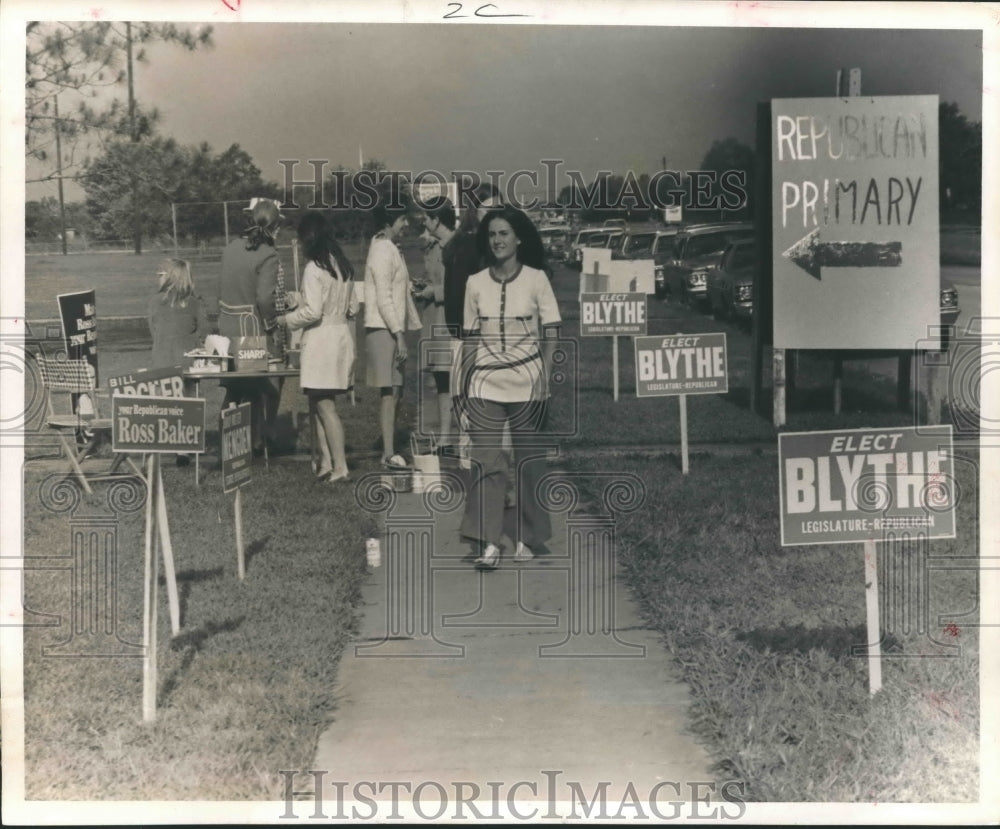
<point x="511" y="323"/>
<point x="327" y="305"/>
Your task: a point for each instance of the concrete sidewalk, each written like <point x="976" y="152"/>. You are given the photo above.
<point x="522" y="682"/>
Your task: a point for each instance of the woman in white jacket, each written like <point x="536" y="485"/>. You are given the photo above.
<point x="389" y="314"/>
<point x="327" y="307"/>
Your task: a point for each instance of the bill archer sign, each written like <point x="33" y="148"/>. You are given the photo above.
<point x="861" y="484"/>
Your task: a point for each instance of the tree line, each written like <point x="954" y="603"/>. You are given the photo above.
<point x="78" y="129"/>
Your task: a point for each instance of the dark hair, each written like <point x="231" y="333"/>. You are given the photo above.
<point x="386" y="212"/>
<point x="444" y="213"/>
<point x="320" y="246"/>
<point x="263" y="223"/>
<point x="530" y="252"/>
<point x="469" y="221"/>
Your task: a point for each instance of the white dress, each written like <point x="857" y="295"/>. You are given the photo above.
<point x="328" y="337"/>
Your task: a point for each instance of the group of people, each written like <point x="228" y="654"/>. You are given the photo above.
<point x="489" y="318"/>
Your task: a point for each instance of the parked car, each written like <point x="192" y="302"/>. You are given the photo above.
<point x="554" y="241"/>
<point x="730" y="285"/>
<point x="614" y="243"/>
<point x="637" y="244"/>
<point x="574" y="256"/>
<point x="662" y="251"/>
<point x="949" y="302"/>
<point x="696" y="250"/>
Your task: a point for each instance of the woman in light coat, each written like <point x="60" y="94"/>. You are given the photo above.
<point x="389" y="314"/>
<point x="327" y="306"/>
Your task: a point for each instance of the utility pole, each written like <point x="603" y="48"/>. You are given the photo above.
<point x="134" y="138"/>
<point x="59" y="173"/>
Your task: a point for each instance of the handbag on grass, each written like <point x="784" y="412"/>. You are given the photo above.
<point x="426" y="463"/>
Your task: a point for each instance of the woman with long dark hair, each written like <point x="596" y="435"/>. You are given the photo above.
<point x="511" y="323"/>
<point x="327" y="305"/>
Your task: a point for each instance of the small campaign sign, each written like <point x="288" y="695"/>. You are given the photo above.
<point x="160" y="382"/>
<point x="866" y="484"/>
<point x="603" y="315"/>
<point x="157" y="424"/>
<point x="237" y="446"/>
<point x="78" y="315"/>
<point x="681" y="364"/>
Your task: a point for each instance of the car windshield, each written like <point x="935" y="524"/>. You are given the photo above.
<point x="742" y="256"/>
<point x="597" y="240"/>
<point x="615" y="242"/>
<point x="662" y="243"/>
<point x="640" y="244"/>
<point x="714" y="242"/>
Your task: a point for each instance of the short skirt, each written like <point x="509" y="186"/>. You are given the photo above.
<point x="382" y="371"/>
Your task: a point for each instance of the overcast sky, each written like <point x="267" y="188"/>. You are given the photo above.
<point x="450" y="97"/>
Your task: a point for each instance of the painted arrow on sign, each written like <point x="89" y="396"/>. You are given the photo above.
<point x="811" y="254"/>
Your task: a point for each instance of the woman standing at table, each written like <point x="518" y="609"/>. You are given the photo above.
<point x="389" y="314"/>
<point x="327" y="304"/>
<point x="511" y="323"/>
<point x="247" y="296"/>
<point x="177" y="322"/>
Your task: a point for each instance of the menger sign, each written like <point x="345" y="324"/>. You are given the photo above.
<point x="855" y="221"/>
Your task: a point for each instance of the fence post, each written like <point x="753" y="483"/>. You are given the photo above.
<point x="225" y="220"/>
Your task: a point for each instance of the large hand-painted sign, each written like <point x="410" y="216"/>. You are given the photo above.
<point x="855" y="221"/>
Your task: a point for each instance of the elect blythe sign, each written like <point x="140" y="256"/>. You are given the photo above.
<point x="863" y="484"/>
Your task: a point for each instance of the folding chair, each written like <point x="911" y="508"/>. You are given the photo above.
<point x="76" y="377"/>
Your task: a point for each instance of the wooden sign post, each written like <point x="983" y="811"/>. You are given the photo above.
<point x="237" y="452"/>
<point x="679" y="365"/>
<point x="867" y="485"/>
<point x="153" y="426"/>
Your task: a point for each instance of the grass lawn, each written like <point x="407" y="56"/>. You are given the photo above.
<point x="763" y="634"/>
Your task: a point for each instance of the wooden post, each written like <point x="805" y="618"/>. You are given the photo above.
<point x="148" y="591"/>
<point x="778" y="369"/>
<point x="763" y="287"/>
<point x="614" y="360"/>
<point x="871" y="608"/>
<point x="168" y="554"/>
<point x="238" y="515"/>
<point x="225" y="220"/>
<point x="173" y="216"/>
<point x="903" y="382"/>
<point x="684" y="434"/>
<point x="838" y="382"/>
<point x="853" y="90"/>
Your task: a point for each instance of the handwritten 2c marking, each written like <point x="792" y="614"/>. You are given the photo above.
<point x="478" y="12"/>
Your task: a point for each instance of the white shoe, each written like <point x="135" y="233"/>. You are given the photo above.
<point x="490" y="559"/>
<point x="523" y="552"/>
